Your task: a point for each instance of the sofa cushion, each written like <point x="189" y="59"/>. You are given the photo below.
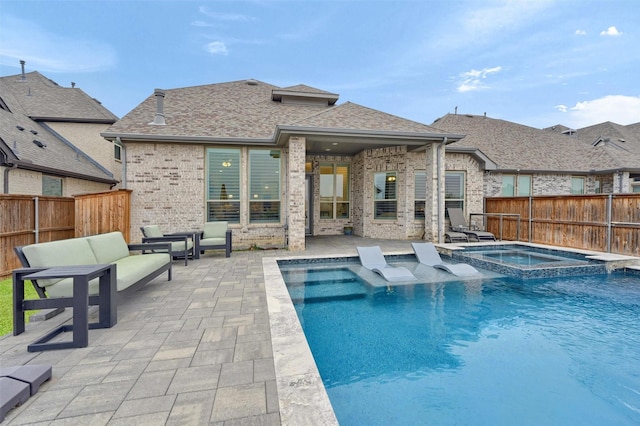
<point x="215" y="230"/>
<point x="210" y="242"/>
<point x="109" y="247"/>
<point x="129" y="270"/>
<point x="152" y="231"/>
<point x="74" y="251"/>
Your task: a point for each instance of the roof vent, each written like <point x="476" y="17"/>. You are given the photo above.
<point x="23" y="76"/>
<point x="252" y="82"/>
<point x="20" y="128"/>
<point x="159" y="118"/>
<point x="33" y="132"/>
<point x="39" y="144"/>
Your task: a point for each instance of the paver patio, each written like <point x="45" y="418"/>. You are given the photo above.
<point x="195" y="350"/>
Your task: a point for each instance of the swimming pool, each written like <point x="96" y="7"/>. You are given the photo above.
<point x="493" y="351"/>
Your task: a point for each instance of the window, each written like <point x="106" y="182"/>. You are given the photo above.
<point x="385" y="195"/>
<point x="223" y="185"/>
<point x="334" y="191"/>
<point x="51" y="186"/>
<point x="516" y="185"/>
<point x="454" y="190"/>
<point x="264" y="186"/>
<point x="420" y="195"/>
<point x="577" y="185"/>
<point x="117" y="151"/>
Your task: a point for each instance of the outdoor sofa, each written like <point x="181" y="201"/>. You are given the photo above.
<point x="132" y="271"/>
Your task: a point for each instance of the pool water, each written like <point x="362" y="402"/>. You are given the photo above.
<point x="497" y="351"/>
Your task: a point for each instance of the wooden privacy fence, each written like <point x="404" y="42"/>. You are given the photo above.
<point x="27" y="219"/>
<point x="600" y="222"/>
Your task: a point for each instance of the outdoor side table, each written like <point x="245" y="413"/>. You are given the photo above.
<point x="81" y="275"/>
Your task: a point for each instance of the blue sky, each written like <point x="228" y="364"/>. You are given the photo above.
<point x="537" y="62"/>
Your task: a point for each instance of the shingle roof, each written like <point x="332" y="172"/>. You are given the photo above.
<point x="42" y="99"/>
<point x="245" y="110"/>
<point x="49" y="154"/>
<point x="514" y="146"/>
<point x="621" y="142"/>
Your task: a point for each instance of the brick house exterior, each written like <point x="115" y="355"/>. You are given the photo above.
<point x="174" y="146"/>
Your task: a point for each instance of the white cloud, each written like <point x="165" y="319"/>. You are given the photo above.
<point x="611" y="31"/>
<point x="472" y="80"/>
<point x="50" y="52"/>
<point x="561" y="108"/>
<point x="216" y="48"/>
<point x="231" y="17"/>
<point x="581" y="32"/>
<point x="616" y="108"/>
<point x="201" y="24"/>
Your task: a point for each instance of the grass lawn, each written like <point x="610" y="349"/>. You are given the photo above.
<point x="6" y="304"/>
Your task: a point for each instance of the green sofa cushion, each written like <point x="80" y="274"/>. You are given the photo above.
<point x="74" y="251"/>
<point x="109" y="247"/>
<point x="152" y="231"/>
<point x="129" y="270"/>
<point x="215" y="230"/>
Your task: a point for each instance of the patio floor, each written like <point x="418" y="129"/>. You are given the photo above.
<point x="195" y="350"/>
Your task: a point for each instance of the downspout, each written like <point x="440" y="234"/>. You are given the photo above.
<point x="440" y="189"/>
<point x="123" y="159"/>
<point x="6" y="177"/>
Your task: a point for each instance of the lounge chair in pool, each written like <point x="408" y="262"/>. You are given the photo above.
<point x="459" y="224"/>
<point x="428" y="255"/>
<point x="373" y="259"/>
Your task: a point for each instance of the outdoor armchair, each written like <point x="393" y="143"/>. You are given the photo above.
<point x="215" y="235"/>
<point x="182" y="243"/>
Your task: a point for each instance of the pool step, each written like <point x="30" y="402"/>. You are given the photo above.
<point x="327" y="292"/>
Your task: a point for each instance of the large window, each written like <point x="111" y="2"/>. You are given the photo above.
<point x="223" y="185"/>
<point x="51" y="186"/>
<point x="334" y="191"/>
<point x="420" y="194"/>
<point x="577" y="185"/>
<point x="264" y="185"/>
<point x="454" y="190"/>
<point x="385" y="195"/>
<point x="516" y="185"/>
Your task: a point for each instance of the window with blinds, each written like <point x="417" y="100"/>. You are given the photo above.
<point x="223" y="185"/>
<point x="334" y="191"/>
<point x="519" y="185"/>
<point x="454" y="190"/>
<point x="51" y="186"/>
<point x="385" y="195"/>
<point x="420" y="194"/>
<point x="264" y="186"/>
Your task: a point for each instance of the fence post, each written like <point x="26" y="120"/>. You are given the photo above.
<point x="37" y="220"/>
<point x="609" y="214"/>
<point x="530" y="218"/>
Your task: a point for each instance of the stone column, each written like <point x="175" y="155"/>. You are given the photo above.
<point x="295" y="193"/>
<point x="434" y="204"/>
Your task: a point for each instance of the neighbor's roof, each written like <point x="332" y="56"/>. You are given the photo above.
<point x="514" y="146"/>
<point x="620" y="142"/>
<point x="32" y="146"/>
<point x="253" y="110"/>
<point x="42" y="99"/>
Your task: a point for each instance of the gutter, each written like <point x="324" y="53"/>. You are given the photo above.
<point x="6" y="177"/>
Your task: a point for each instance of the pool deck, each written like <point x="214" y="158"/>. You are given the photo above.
<point x="220" y="344"/>
<point x="199" y="349"/>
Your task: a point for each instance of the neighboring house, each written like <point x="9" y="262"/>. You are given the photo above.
<point x="50" y="141"/>
<point x="620" y="142"/>
<point x="516" y="160"/>
<point x="279" y="164"/>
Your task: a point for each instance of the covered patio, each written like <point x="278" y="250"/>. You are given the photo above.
<point x="194" y="350"/>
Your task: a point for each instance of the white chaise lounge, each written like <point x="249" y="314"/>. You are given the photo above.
<point x="373" y="259"/>
<point x="427" y="254"/>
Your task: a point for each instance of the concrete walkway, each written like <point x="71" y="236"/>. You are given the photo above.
<point x="195" y="350"/>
